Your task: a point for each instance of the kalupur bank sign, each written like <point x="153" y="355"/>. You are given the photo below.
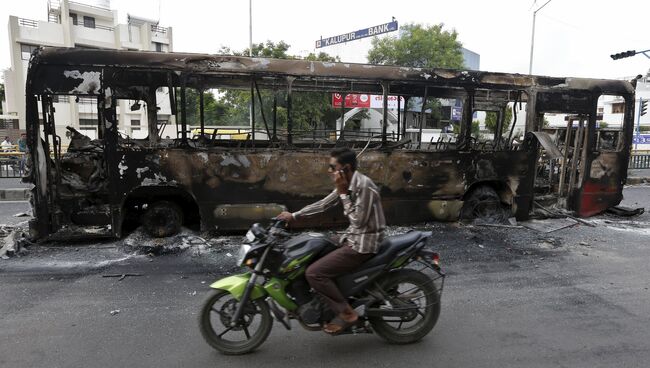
<point x="353" y="100"/>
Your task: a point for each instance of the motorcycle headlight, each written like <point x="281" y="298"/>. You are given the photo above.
<point x="250" y="237"/>
<point x="243" y="250"/>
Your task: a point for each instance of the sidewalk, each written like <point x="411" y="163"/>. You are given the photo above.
<point x="12" y="189"/>
<point x="638" y="176"/>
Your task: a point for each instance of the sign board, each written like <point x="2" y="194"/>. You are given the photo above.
<point x="365" y="101"/>
<point x="362" y="33"/>
<point x="641" y="139"/>
<point x="456" y="113"/>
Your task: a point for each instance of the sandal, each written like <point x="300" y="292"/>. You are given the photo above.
<point x="338" y="325"/>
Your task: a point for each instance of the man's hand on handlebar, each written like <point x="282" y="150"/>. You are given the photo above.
<point x="285" y="216"/>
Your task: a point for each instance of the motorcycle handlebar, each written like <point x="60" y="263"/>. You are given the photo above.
<point x="278" y="223"/>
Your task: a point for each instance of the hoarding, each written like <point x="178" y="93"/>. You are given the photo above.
<point x="365" y="101"/>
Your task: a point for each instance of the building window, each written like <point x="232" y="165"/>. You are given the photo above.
<point x="60" y="99"/>
<point x="26" y="51"/>
<point x="618" y="108"/>
<point x="135" y="122"/>
<point x="89" y="22"/>
<point x="74" y="19"/>
<point x="86" y="122"/>
<point x="159" y="46"/>
<point x="8" y="124"/>
<point x="86" y="100"/>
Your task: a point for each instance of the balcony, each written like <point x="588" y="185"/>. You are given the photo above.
<point x="101" y="36"/>
<point x="160" y="34"/>
<point x="35" y="32"/>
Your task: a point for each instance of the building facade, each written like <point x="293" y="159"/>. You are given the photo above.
<point x="75" y="24"/>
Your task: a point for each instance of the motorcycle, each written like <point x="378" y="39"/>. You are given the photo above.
<point x="396" y="292"/>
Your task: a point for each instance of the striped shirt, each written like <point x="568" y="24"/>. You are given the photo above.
<point x="362" y="206"/>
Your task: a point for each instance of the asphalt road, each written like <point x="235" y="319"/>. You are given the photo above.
<point x="577" y="297"/>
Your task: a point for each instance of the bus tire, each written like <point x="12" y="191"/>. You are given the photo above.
<point x="484" y="204"/>
<point x="163" y="218"/>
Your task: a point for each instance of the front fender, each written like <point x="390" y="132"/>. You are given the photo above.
<point x="236" y="284"/>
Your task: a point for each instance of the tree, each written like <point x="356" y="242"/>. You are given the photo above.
<point x="418" y="46"/>
<point x="475" y="128"/>
<point x="491" y="121"/>
<point x="215" y="111"/>
<point x="310" y="110"/>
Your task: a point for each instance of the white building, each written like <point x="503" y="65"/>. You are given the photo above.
<point x="74" y="24"/>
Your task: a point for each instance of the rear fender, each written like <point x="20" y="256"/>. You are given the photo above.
<point x="405" y="255"/>
<point x="236" y="284"/>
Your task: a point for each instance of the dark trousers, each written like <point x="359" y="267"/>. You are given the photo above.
<point x="321" y="274"/>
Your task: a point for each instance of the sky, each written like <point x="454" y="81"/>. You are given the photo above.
<point x="573" y="37"/>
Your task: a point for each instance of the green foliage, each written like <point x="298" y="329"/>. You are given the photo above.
<point x="215" y="112"/>
<point x="309" y="109"/>
<point x="491" y="121"/>
<point x="418" y="46"/>
<point x="602" y="125"/>
<point x="475" y="128"/>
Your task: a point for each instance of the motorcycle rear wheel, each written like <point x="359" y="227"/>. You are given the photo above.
<point x="415" y="291"/>
<point x="215" y="318"/>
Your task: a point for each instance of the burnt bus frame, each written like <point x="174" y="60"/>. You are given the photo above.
<point x="446" y="176"/>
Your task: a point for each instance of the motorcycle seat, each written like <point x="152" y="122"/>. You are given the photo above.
<point x="392" y="245"/>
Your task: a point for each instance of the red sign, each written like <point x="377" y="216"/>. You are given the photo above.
<point x="351" y="100"/>
<point x="365" y="101"/>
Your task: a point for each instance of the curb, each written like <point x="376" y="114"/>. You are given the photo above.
<point x="14" y="194"/>
<point x="637" y="180"/>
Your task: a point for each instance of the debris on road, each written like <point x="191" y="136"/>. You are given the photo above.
<point x="625" y="211"/>
<point x="122" y="276"/>
<point x="115" y="312"/>
<point x="186" y="240"/>
<point x="549" y="225"/>
<point x="13" y="238"/>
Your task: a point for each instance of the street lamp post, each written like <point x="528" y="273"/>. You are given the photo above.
<point x="532" y="41"/>
<point x="250" y="54"/>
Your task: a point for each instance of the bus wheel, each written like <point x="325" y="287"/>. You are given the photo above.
<point x="163" y="218"/>
<point x="484" y="204"/>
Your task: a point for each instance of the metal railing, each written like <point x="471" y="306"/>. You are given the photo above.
<point x="158" y="29"/>
<point x="12" y="164"/>
<point x="105" y="28"/>
<point x="639" y="161"/>
<point x="28" y="22"/>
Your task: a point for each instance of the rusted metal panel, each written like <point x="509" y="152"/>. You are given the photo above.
<point x="547" y="142"/>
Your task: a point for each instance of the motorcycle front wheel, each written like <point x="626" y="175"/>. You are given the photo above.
<point x="411" y="291"/>
<point x="215" y="323"/>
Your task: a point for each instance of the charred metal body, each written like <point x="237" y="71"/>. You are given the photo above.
<point x="93" y="187"/>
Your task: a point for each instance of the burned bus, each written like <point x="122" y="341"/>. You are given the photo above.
<point x="97" y="185"/>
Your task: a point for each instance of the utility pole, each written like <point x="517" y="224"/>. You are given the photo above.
<point x="532" y="41"/>
<point x="250" y="54"/>
<point x="643" y="106"/>
<point x="250" y="28"/>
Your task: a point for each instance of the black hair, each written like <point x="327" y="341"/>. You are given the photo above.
<point x="345" y="156"/>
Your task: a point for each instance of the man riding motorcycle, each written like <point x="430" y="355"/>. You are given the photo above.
<point x="362" y="206"/>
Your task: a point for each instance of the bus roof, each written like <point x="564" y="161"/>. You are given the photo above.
<point x="271" y="72"/>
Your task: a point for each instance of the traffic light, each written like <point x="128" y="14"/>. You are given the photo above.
<point x="623" y="54"/>
<point x="643" y="107"/>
